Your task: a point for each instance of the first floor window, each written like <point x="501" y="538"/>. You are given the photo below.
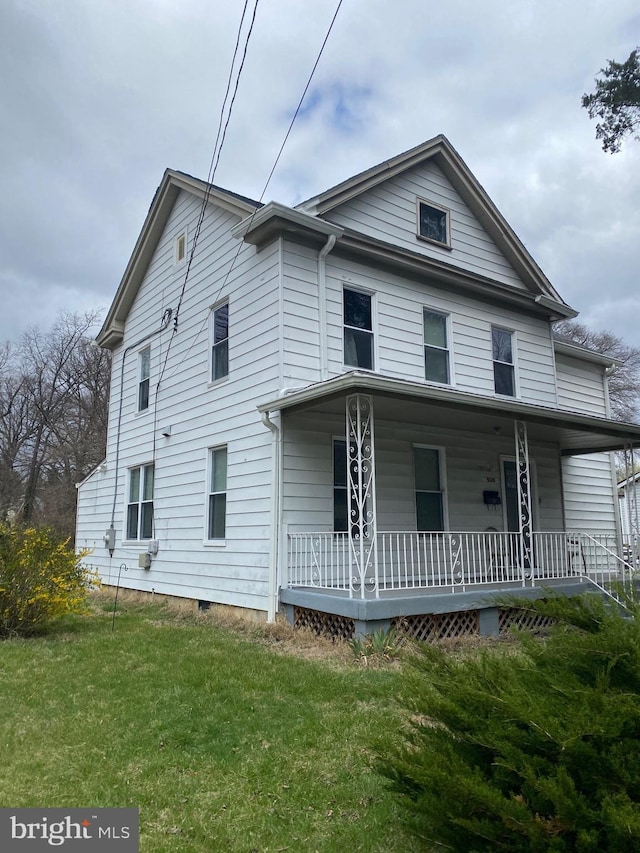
<point x="140" y="503"/>
<point x="503" y="369"/>
<point x="220" y="342"/>
<point x="144" y="364"/>
<point x="429" y="488"/>
<point x="358" y="329"/>
<point x="217" y="522"/>
<point x="436" y="350"/>
<point x="340" y="486"/>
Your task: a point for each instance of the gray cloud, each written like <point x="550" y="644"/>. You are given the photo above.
<point x="98" y="98"/>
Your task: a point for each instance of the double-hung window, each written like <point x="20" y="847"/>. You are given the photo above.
<point x="144" y="372"/>
<point x="436" y="348"/>
<point x="358" y="329"/>
<point x="503" y="366"/>
<point x="217" y="510"/>
<point x="140" y="503"/>
<point x="219" y="333"/>
<point x="429" y="488"/>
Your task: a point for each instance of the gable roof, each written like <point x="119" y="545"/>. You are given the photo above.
<point x="172" y="183"/>
<point x="442" y="153"/>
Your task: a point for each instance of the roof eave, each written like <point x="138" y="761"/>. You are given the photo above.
<point x="112" y="331"/>
<point x="356" y="381"/>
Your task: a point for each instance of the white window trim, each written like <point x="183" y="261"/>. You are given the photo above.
<point x="449" y="332"/>
<point x="143" y="541"/>
<point x="442" y="459"/>
<point x="211" y="382"/>
<point x="514" y="363"/>
<point x="214" y="543"/>
<point x="444" y="210"/>
<point x="374" y="326"/>
<point x="180" y="262"/>
<point x="140" y="411"/>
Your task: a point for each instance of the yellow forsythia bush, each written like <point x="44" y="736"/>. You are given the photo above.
<point x="41" y="579"/>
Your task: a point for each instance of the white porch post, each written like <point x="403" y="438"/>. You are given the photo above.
<point x="524" y="495"/>
<point x="631" y="503"/>
<point x="361" y="495"/>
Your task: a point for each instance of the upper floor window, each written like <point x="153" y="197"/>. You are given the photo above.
<point x="144" y="371"/>
<point x="433" y="223"/>
<point x="436" y="347"/>
<point x="217" y="510"/>
<point x="181" y="247"/>
<point x="503" y="367"/>
<point x="358" y="329"/>
<point x="219" y="333"/>
<point x="140" y="503"/>
<point x="429" y="488"/>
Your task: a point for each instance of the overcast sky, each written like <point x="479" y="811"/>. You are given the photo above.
<point x="98" y="97"/>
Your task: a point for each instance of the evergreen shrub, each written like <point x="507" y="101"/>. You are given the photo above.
<point x="41" y="579"/>
<point x="530" y="747"/>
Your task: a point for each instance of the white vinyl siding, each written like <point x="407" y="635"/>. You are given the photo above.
<point x="388" y="212"/>
<point x="581" y="385"/>
<point x="201" y="415"/>
<point x="589" y="493"/>
<point x="399" y="332"/>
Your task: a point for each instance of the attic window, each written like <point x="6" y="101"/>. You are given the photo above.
<point x="433" y="223"/>
<point x="181" y="247"/>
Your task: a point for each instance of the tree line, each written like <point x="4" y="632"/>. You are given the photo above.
<point x="54" y="393"/>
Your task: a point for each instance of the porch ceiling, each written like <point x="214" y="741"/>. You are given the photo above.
<point x="412" y="402"/>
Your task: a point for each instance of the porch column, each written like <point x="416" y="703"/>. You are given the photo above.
<point x="631" y="504"/>
<point x="361" y="494"/>
<point x="524" y="494"/>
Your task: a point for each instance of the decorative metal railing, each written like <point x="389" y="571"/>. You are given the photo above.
<point x="453" y="562"/>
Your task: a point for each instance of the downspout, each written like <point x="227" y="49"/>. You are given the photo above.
<point x="274" y="549"/>
<point x="322" y="304"/>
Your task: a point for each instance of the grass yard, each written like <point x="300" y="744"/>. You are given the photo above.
<point x="222" y="741"/>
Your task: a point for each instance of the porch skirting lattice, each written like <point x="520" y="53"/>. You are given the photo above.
<point x="324" y="624"/>
<point x="425" y="627"/>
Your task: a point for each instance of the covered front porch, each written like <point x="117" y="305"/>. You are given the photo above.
<point x="448" y="498"/>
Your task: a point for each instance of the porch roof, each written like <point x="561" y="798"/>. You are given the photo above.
<point x="575" y="433"/>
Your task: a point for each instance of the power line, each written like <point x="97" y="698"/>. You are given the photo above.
<point x="284" y="142"/>
<point x="215" y="159"/>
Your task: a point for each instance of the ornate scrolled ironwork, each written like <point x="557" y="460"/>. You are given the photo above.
<point x="361" y="496"/>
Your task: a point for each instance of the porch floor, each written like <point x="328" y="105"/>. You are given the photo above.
<point x="402" y="602"/>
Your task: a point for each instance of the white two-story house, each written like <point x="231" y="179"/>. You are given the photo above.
<point x="353" y="410"/>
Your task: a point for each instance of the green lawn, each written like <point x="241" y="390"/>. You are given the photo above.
<point x="222" y="742"/>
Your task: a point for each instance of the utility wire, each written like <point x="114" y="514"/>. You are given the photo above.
<point x="273" y="168"/>
<point x="284" y="142"/>
<point x="215" y="159"/>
